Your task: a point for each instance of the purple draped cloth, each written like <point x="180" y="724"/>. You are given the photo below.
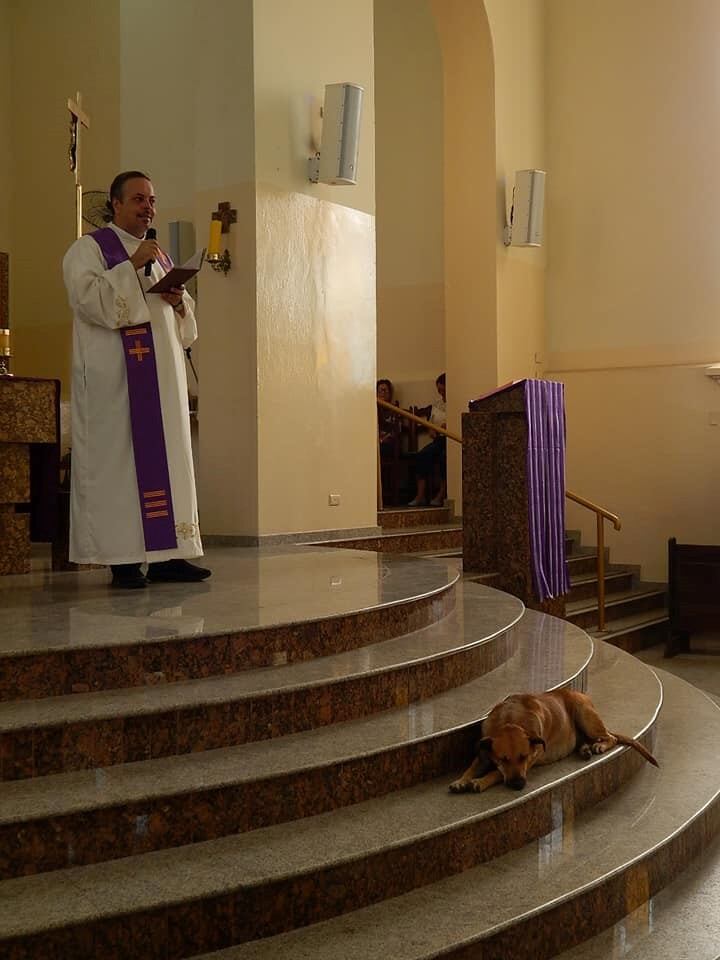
<point x="545" y="409"/>
<point x="148" y="434"/>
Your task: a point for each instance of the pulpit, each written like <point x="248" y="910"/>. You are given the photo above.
<point x="514" y="489"/>
<point x="29" y="467"/>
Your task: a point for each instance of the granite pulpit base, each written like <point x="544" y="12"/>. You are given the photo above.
<point x="496" y="534"/>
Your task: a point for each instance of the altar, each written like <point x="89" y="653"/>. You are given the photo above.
<point x="29" y="467"/>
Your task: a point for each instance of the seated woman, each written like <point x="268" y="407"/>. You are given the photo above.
<point x="387" y="422"/>
<point x="433" y="455"/>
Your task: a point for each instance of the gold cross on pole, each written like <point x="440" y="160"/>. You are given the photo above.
<point x="78" y="120"/>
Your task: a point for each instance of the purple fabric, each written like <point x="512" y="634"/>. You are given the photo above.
<point x="148" y="435"/>
<point x="545" y="410"/>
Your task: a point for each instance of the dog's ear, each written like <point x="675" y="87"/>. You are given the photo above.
<point x="535" y="741"/>
<point x="484" y="745"/>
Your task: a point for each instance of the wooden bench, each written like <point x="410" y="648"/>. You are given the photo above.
<point x="693" y="591"/>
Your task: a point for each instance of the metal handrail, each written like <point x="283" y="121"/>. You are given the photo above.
<point x="601" y="514"/>
<point x="423" y="423"/>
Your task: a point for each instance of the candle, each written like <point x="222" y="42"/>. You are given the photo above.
<point x="214" y="242"/>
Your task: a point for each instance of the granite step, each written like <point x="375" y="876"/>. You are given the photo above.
<point x="640" y="599"/>
<point x="583" y="875"/>
<point x="81" y="637"/>
<point x="404" y="517"/>
<point x="88" y="816"/>
<point x="635" y="632"/>
<point x="584" y="586"/>
<point x="208" y="895"/>
<point x="83" y="731"/>
<point x="426" y="538"/>
<point x="681" y="922"/>
<point x="584" y="562"/>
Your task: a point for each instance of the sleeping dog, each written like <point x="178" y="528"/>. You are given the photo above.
<point x="528" y="729"/>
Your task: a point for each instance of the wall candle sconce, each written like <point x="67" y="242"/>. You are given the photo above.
<point x="5" y="352"/>
<point x="219" y="224"/>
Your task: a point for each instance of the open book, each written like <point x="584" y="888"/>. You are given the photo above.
<point x="179" y="275"/>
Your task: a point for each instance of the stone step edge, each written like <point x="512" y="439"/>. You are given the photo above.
<point x="576" y="607"/>
<point x="213" y="690"/>
<point x="70" y="670"/>
<point x="627" y="624"/>
<point x="389" y="533"/>
<point x="538" y="932"/>
<point x="276" y="869"/>
<point x="582" y="579"/>
<point x="271" y="755"/>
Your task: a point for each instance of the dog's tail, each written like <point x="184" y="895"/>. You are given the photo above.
<point x="629" y="742"/>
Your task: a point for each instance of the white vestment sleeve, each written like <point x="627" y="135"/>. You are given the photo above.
<point x="187" y="325"/>
<point x="107" y="298"/>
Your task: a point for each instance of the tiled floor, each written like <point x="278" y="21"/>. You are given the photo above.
<point x="702" y="669"/>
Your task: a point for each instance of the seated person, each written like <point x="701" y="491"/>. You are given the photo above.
<point x="387" y="422"/>
<point x="433" y="455"/>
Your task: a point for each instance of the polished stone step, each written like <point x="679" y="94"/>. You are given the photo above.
<point x="83" y="731"/>
<point x="260" y="608"/>
<point x="93" y="815"/>
<point x="585" y="562"/>
<point x="416" y="540"/>
<point x="640" y="599"/>
<point x="585" y="586"/>
<point x="636" y="631"/>
<point x="580" y="877"/>
<point x="258" y="884"/>
<point x="681" y="922"/>
<point x="393" y="518"/>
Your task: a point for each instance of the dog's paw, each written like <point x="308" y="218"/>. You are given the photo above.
<point x="585" y="751"/>
<point x="477" y="786"/>
<point x="602" y="746"/>
<point x="459" y="786"/>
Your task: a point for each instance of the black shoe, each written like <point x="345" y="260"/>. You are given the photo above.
<point x="127" y="576"/>
<point x="176" y="571"/>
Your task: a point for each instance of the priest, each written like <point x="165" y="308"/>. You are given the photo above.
<point x="133" y="497"/>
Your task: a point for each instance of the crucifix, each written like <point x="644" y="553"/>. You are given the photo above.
<point x="225" y="215"/>
<point x="78" y="120"/>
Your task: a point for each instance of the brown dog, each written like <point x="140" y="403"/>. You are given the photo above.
<point x="528" y="729"/>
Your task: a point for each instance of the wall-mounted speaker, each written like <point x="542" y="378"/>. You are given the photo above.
<point x="181" y="246"/>
<point x="336" y="163"/>
<point x="526" y="218"/>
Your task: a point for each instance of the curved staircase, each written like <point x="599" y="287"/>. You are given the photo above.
<point x="259" y="767"/>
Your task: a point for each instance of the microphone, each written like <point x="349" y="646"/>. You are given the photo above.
<point x="150" y="235"/>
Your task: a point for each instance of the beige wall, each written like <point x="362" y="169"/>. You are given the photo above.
<point x="5" y="123"/>
<point x="631" y="145"/>
<point x="409" y="145"/>
<point x="640" y="441"/>
<point x="59" y="47"/>
<point x="315" y="275"/>
<point x="518" y="28"/>
<point x="471" y="345"/>
<point x="633" y="288"/>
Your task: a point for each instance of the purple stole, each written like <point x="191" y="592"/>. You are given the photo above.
<point x="148" y="435"/>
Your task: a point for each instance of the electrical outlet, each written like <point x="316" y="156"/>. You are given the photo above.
<point x="333" y="499"/>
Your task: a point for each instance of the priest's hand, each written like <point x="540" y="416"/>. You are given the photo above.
<point x="175" y="299"/>
<point x="147" y="251"/>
